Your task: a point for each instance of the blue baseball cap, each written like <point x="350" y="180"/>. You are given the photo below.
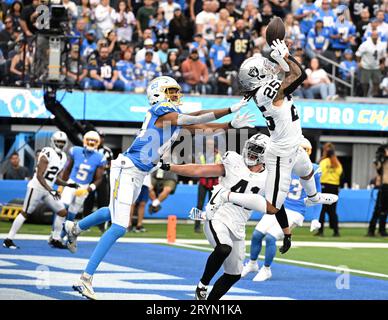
<point x="348" y="51"/>
<point x="341" y="9"/>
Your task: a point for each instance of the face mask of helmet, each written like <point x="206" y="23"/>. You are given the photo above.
<point x="253" y="153"/>
<point x="59" y="145"/>
<point x="91" y="144"/>
<point x="173" y="95"/>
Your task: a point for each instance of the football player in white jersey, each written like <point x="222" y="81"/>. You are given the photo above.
<point x="51" y="161"/>
<point x="225" y="223"/>
<point x="258" y="78"/>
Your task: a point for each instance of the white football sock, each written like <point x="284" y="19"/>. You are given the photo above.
<point x="58" y="225"/>
<point x="16" y="225"/>
<point x="155" y="203"/>
<point x="201" y="285"/>
<point x="249" y="201"/>
<point x="310" y="188"/>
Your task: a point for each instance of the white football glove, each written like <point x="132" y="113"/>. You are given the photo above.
<point x="279" y="52"/>
<point x="237" y="106"/>
<point x="315" y="225"/>
<point x="197" y="215"/>
<point x="244" y="120"/>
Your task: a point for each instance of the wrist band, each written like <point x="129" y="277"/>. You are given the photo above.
<point x="92" y="186"/>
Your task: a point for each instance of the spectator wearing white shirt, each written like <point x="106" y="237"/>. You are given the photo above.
<point x="371" y="57"/>
<point x="206" y="20"/>
<point x="318" y="82"/>
<point x="72" y="9"/>
<point x="125" y="21"/>
<point x="105" y="17"/>
<point x="168" y="7"/>
<point x="148" y="45"/>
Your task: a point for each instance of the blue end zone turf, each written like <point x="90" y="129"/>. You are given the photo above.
<point x="150" y="271"/>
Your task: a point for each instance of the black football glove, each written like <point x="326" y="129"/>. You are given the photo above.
<point x="286" y="244"/>
<point x="55" y="194"/>
<point x="164" y="165"/>
<point x="73" y="185"/>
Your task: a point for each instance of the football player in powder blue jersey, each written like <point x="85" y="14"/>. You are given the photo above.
<point x="160" y="129"/>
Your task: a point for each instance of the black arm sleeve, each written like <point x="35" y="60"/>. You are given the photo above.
<point x="281" y="217"/>
<point x="293" y="86"/>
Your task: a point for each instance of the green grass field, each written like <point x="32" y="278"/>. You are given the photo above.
<point x="365" y="259"/>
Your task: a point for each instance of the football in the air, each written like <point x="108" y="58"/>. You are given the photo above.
<point x="275" y="30"/>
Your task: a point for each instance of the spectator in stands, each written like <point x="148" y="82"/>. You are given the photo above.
<point x="217" y="53"/>
<point x="227" y="78"/>
<point x="206" y="20"/>
<point x="123" y="47"/>
<point x="103" y="73"/>
<point x="159" y="25"/>
<point x="125" y="21"/>
<point x="144" y="15"/>
<point x="7" y="36"/>
<point x="76" y="70"/>
<point x="20" y="65"/>
<point x="78" y="31"/>
<point x="201" y="45"/>
<point x="306" y="15"/>
<point x="234" y="13"/>
<point x="280" y="7"/>
<point x="89" y="44"/>
<point x="180" y="30"/>
<point x="15" y="12"/>
<point x="148" y="68"/>
<point x="357" y="7"/>
<point x="71" y="8"/>
<point x="348" y="66"/>
<point x="373" y="26"/>
<point x="239" y="41"/>
<point x="326" y="14"/>
<point x="195" y="74"/>
<point x="317" y="39"/>
<point x="319" y="83"/>
<point x="382" y="25"/>
<point x="16" y="171"/>
<point x="172" y="67"/>
<point x="362" y="25"/>
<point x="85" y="12"/>
<point x="263" y="18"/>
<point x="105" y="18"/>
<point x="371" y="56"/>
<point x="343" y="33"/>
<point x="205" y="185"/>
<point x="28" y="18"/>
<point x="126" y="69"/>
<point x="224" y="23"/>
<point x="148" y="46"/>
<point x="113" y="45"/>
<point x="330" y="179"/>
<point x="162" y="50"/>
<point x="163" y="184"/>
<point x="169" y="7"/>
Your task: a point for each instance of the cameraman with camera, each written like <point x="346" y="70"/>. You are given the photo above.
<point x="381" y="207"/>
<point x="330" y="180"/>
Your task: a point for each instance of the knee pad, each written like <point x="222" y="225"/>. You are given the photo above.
<point x="223" y="250"/>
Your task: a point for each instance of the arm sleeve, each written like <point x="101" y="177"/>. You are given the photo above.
<point x="293" y="86"/>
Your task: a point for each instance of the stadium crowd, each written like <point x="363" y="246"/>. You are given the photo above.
<point x="123" y="44"/>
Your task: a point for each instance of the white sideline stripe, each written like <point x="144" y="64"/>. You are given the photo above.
<point x="320" y="244"/>
<point x="304" y="263"/>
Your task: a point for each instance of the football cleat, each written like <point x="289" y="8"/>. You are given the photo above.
<point x="69" y="227"/>
<point x="140" y="229"/>
<point x="57" y="244"/>
<point x="201" y="293"/>
<point x="324" y="198"/>
<point x="250" y="266"/>
<point x="264" y="274"/>
<point x="84" y="287"/>
<point x="9" y="244"/>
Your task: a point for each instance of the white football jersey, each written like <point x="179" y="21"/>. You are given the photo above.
<point x="56" y="163"/>
<point x="238" y="178"/>
<point x="283" y="122"/>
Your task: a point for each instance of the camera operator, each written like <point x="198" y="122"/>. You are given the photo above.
<point x="330" y="180"/>
<point x="381" y="207"/>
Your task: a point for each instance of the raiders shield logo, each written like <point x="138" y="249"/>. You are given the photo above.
<point x="253" y="72"/>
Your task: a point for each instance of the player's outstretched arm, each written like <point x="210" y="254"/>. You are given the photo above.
<point x="196" y="170"/>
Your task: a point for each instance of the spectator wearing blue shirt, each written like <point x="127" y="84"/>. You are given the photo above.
<point x="306" y="15"/>
<point x="326" y="14"/>
<point x="217" y="52"/>
<point x="126" y="71"/>
<point x="149" y="69"/>
<point x="374" y="26"/>
<point x="163" y="50"/>
<point x="348" y="66"/>
<point x="200" y="44"/>
<point x="343" y="33"/>
<point x="317" y="39"/>
<point x="89" y="44"/>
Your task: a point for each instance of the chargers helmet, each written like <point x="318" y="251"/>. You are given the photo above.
<point x="91" y="140"/>
<point x="159" y="90"/>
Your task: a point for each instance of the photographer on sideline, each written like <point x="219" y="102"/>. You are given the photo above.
<point x="330" y="180"/>
<point x="381" y="207"/>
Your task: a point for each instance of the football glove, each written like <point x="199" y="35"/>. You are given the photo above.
<point x="197" y="215"/>
<point x="164" y="165"/>
<point x="81" y="192"/>
<point x="237" y="106"/>
<point x="73" y="185"/>
<point x="281" y="47"/>
<point x="55" y="194"/>
<point x="286" y="244"/>
<point x="244" y="120"/>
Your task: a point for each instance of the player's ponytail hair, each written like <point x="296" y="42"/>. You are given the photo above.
<point x="329" y="152"/>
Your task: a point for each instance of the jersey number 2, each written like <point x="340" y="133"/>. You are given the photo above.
<point x="50" y="174"/>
